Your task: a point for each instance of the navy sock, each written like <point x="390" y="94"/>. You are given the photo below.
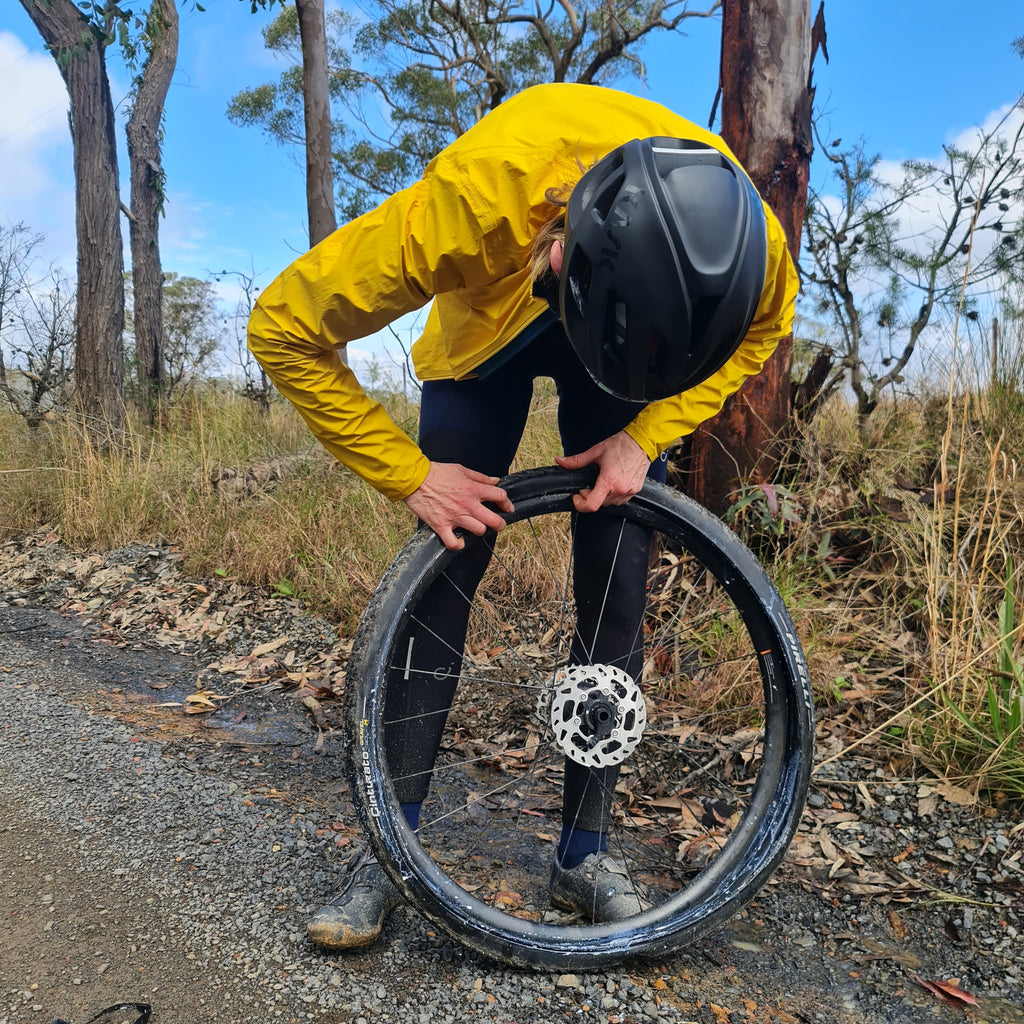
<point x="412" y="815"/>
<point x="577" y="844"/>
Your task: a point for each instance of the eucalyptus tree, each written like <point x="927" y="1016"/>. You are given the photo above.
<point x="411" y="76"/>
<point x="79" y="34"/>
<point x="316" y="92"/>
<point x="193" y="330"/>
<point x="154" y="54"/>
<point x="78" y="41"/>
<point x="768" y="52"/>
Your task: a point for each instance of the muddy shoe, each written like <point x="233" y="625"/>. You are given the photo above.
<point x="354" y="917"/>
<point x="600" y="888"/>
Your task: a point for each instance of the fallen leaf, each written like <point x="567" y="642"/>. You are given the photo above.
<point x="638" y="821"/>
<point x="273" y="645"/>
<point x="202" y="702"/>
<point x="869" y="801"/>
<point x="897" y="924"/>
<point x="827" y="847"/>
<point x="947" y="991"/>
<point x="956" y="794"/>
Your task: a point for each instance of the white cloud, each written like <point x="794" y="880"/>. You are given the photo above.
<point x="184" y="231"/>
<point x="33" y="116"/>
<point x="36" y="185"/>
<point x="923" y="217"/>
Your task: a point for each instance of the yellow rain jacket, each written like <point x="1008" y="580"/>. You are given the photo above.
<point x="461" y="236"/>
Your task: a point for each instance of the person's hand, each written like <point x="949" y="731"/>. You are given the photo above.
<point x="452" y="497"/>
<point x="623" y="468"/>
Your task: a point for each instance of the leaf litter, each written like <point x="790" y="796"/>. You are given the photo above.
<point x="137" y="597"/>
<point x="248" y="638"/>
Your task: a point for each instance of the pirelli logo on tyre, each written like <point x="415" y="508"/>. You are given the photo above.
<point x="371" y="796"/>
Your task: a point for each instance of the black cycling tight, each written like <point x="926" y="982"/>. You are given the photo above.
<point x="479" y="423"/>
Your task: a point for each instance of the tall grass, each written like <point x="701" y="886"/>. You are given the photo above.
<point x="899" y="551"/>
<point x="288" y="517"/>
<point x="973" y="550"/>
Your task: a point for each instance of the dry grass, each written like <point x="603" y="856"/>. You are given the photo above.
<point x="901" y="557"/>
<point x="900" y="553"/>
<point x="311" y="529"/>
<point x="971" y="717"/>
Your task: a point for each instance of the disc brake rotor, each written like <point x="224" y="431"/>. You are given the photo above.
<point x="597" y="714"/>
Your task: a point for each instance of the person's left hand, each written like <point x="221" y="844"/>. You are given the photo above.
<point x="623" y="468"/>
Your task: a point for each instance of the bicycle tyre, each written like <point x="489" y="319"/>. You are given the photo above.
<point x="730" y="770"/>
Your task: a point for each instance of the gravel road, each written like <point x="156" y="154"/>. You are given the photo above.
<point x="151" y="856"/>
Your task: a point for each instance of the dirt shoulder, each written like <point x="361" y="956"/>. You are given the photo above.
<point x="155" y="855"/>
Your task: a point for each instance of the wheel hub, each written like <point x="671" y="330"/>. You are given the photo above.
<point x="597" y="714"/>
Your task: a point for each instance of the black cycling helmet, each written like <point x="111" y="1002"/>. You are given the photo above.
<point x="664" y="265"/>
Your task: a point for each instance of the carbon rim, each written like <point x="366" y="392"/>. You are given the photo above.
<point x="703" y="808"/>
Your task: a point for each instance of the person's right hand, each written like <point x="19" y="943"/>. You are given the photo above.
<point x="452" y="497"/>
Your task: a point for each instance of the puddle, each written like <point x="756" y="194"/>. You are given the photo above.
<point x="996" y="1011"/>
<point x="265" y="728"/>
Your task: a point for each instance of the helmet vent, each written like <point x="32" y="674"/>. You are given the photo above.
<point x="604" y="201"/>
<point x="621" y="323"/>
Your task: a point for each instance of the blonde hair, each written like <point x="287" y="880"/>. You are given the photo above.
<point x="549" y="233"/>
<point x="553" y="230"/>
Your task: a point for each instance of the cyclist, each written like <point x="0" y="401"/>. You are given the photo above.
<point x="578" y="233"/>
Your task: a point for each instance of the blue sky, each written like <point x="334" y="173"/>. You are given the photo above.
<point x="906" y="76"/>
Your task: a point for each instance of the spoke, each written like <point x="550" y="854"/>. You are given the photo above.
<point x="467" y="761"/>
<point x="505" y="788"/>
<point x="482" y="679"/>
<point x="604" y="597"/>
<point x="498" y="787"/>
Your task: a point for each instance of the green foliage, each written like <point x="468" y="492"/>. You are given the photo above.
<point x="193" y="330"/>
<point x="884" y="278"/>
<point x="764" y="512"/>
<point x="105" y="22"/>
<point x="414" y="75"/>
<point x="1006" y="691"/>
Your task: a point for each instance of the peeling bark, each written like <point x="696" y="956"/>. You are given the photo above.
<point x="99" y="358"/>
<point x="147" y="198"/>
<point x="767" y="95"/>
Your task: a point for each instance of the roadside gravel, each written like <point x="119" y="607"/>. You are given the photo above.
<point x="147" y="855"/>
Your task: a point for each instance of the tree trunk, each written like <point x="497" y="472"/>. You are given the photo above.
<point x="147" y="197"/>
<point x="317" y="110"/>
<point x="99" y="358"/>
<point x="766" y="120"/>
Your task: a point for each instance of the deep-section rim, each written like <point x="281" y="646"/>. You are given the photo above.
<point x="527" y="943"/>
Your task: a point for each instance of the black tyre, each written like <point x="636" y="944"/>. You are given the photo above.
<point x="710" y="794"/>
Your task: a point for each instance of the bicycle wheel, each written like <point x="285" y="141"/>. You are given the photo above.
<point x="707" y="746"/>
